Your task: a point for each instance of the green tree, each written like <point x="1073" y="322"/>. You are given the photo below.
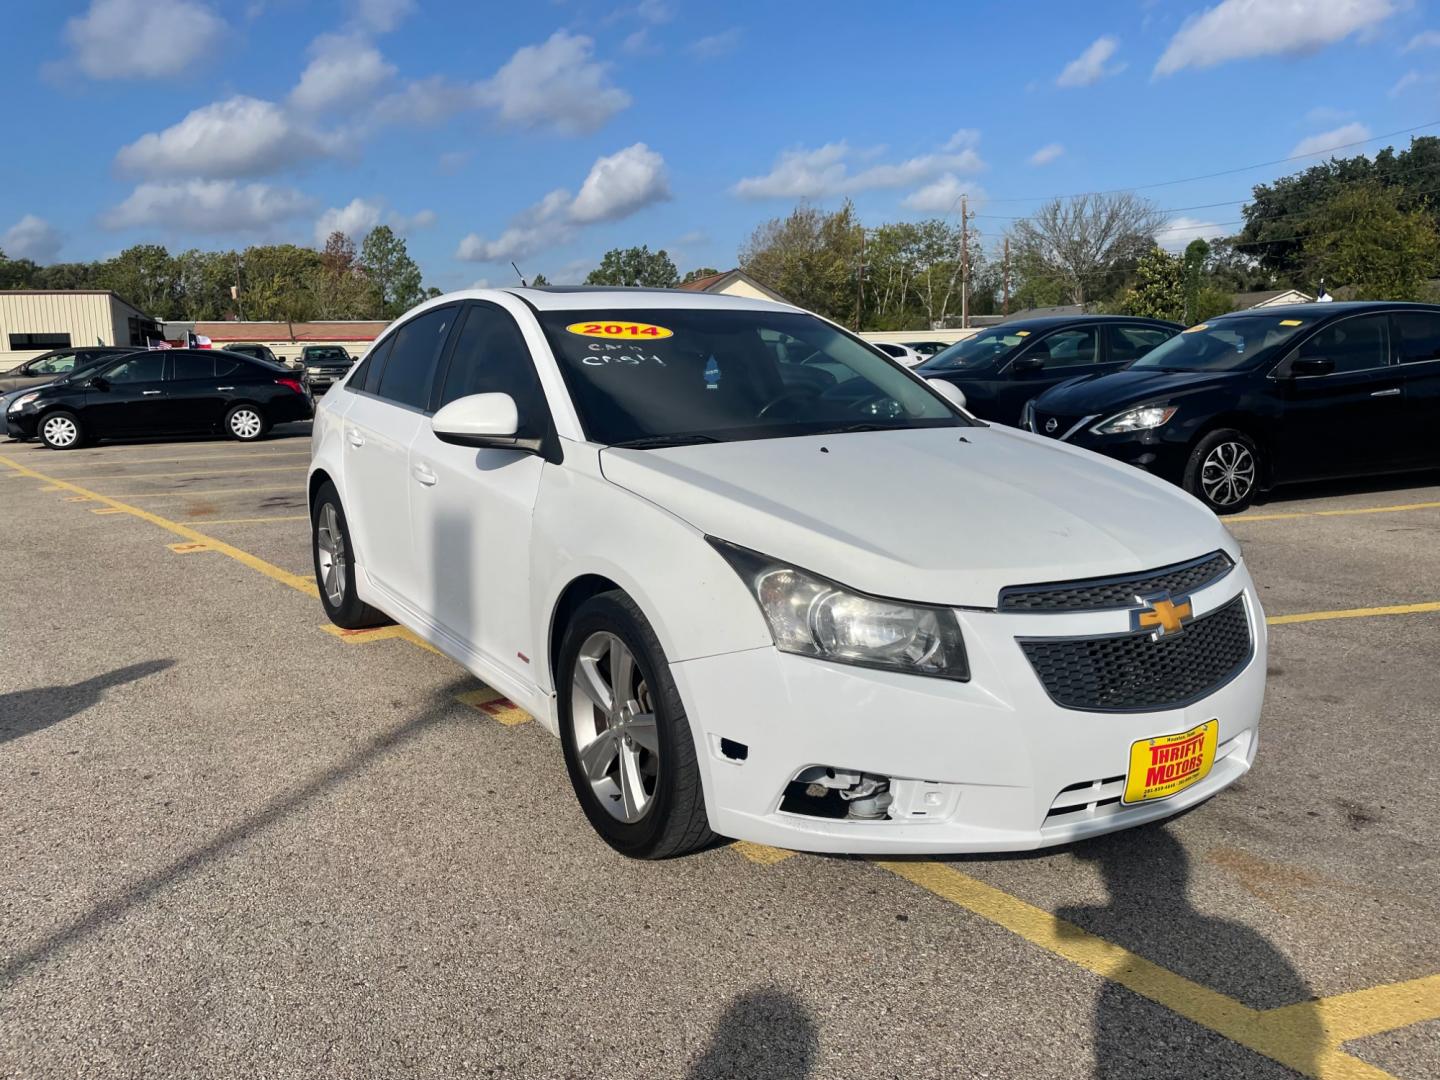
<point x="1159" y="288"/>
<point x="203" y="280"/>
<point x="391" y="271"/>
<point x="1088" y="243"/>
<point x="281" y="282"/>
<point x="343" y="290"/>
<point x="810" y="257"/>
<point x="145" y="276"/>
<point x="697" y="274"/>
<point x="635" y="266"/>
<point x="539" y="280"/>
<point x="1362" y="239"/>
<point x="16" y="273"/>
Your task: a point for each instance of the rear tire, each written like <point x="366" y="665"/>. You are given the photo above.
<point x="246" y="423"/>
<point x="627" y="741"/>
<point x="335" y="565"/>
<point x="61" y="430"/>
<point x="1224" y="471"/>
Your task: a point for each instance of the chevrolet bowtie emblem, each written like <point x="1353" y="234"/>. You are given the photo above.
<point x="1163" y="615"/>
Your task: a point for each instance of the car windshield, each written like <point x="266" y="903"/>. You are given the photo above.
<point x="327" y="355"/>
<point x="1229" y="344"/>
<point x="994" y="344"/>
<point x="673" y="376"/>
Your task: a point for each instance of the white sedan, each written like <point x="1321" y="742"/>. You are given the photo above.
<point x="764" y="583"/>
<point x="903" y="353"/>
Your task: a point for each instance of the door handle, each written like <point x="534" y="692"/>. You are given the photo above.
<point x="424" y="475"/>
<point x="354" y="437"/>
<point x="224" y="388"/>
<point x="1392" y="392"/>
<point x="149" y="393"/>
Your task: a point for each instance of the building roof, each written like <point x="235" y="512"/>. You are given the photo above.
<point x="331" y="330"/>
<point x="717" y="282"/>
<point x="73" y="292"/>
<point x="1266" y="297"/>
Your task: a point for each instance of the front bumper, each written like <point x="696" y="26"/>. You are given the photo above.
<point x="987" y="765"/>
<point x="1163" y="451"/>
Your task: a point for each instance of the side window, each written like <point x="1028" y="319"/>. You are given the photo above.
<point x="142" y="367"/>
<point x="232" y="365"/>
<point x="192" y="365"/>
<point x="491" y="357"/>
<point x="1132" y="342"/>
<point x="408" y="372"/>
<point x="1419" y="336"/>
<point x="364" y="376"/>
<point x="1352" y="344"/>
<point x="54" y="365"/>
<point x="1067" y="348"/>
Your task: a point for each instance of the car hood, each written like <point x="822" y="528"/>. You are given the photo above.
<point x="939" y="515"/>
<point x="1092" y="394"/>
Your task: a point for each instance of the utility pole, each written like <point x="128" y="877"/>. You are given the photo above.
<point x="964" y="263"/>
<point x="860" y="281"/>
<point x="1006" y="309"/>
<point x="239" y="303"/>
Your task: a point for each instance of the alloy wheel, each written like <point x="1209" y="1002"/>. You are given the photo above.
<point x="613" y="721"/>
<point x="330" y="554"/>
<point x="1228" y="473"/>
<point x="60" y="431"/>
<point x="245" y="423"/>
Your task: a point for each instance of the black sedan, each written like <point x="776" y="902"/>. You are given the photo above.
<point x="1003" y="367"/>
<point x="163" y="392"/>
<point x="1264" y="397"/>
<point x="52" y="365"/>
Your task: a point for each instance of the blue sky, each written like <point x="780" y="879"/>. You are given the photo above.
<point x="548" y="132"/>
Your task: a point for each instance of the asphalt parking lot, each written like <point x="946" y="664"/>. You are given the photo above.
<point x="233" y="843"/>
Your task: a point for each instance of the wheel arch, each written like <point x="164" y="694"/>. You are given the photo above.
<point x="563" y="611"/>
<point x="318" y="479"/>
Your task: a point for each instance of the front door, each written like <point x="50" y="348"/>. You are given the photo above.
<point x="472" y="507"/>
<point x="1064" y="354"/>
<point x="127" y="398"/>
<point x="1349" y="420"/>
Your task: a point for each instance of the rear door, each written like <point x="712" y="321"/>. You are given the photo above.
<point x="379" y="425"/>
<point x="1417" y="340"/>
<point x="127" y="398"/>
<point x="193" y="399"/>
<point x="1348" y="421"/>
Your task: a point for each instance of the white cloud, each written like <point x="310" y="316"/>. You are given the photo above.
<point x="963" y="139"/>
<point x="32" y="238"/>
<point x="1244" y="29"/>
<point x="942" y="195"/>
<point x="1090" y="66"/>
<point x="621" y="184"/>
<point x="555" y="84"/>
<point x="1426" y="39"/>
<point x="426" y="101"/>
<point x="1047" y="153"/>
<point x="408" y="223"/>
<point x="1180" y="230"/>
<point x="343" y="71"/>
<point x="639" y="43"/>
<point x="213" y="206"/>
<point x="1412" y="78"/>
<point x="171" y="36"/>
<point x="241" y="136"/>
<point x="825" y="171"/>
<point x="1325" y="141"/>
<point x="359" y="216"/>
<point x="381" y="16"/>
<point x="713" y="45"/>
<point x="617" y="187"/>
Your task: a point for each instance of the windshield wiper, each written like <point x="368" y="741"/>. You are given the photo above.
<point x="658" y="442"/>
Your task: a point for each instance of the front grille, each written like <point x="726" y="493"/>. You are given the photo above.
<point x="1108" y="594"/>
<point x="1132" y="673"/>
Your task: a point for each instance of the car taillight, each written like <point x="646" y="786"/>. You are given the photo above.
<point x="293" y="384"/>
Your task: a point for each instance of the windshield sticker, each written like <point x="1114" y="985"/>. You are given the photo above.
<point x="1291" y="322"/>
<point x="634" y="331"/>
<point x="1196" y="328"/>
<point x="1022" y="333"/>
<point x="712" y="374"/>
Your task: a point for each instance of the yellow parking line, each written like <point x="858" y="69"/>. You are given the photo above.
<point x="495" y="705"/>
<point x="763" y="854"/>
<point x="107" y="510"/>
<point x="1287" y="1035"/>
<point x="381" y="633"/>
<point x="1353" y="613"/>
<point x="1338" y="513"/>
<point x="296" y="488"/>
<point x="188" y="547"/>
<point x="249" y="521"/>
<point x="270" y="570"/>
<point x="201" y="472"/>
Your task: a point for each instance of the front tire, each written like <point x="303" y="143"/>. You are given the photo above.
<point x="246" y="423"/>
<point x="1224" y="471"/>
<point x="335" y="565"/>
<point x="627" y="741"/>
<point x="61" y="430"/>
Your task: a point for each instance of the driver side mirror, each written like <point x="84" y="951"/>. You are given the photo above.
<point x="1025" y="364"/>
<point x="1311" y="365"/>
<point x="948" y="390"/>
<point x="483" y="420"/>
<point x="100" y="382"/>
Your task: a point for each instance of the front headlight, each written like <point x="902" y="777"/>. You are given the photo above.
<point x="23" y="400"/>
<point x="1142" y="419"/>
<point x="812" y="616"/>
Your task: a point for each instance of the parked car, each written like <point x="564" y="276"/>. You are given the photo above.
<point x="40" y="370"/>
<point x="903" y="353"/>
<point x="163" y="392"/>
<point x="740" y="602"/>
<point x="321" y="365"/>
<point x="96" y="358"/>
<point x="256" y="352"/>
<point x="928" y="348"/>
<point x="1263" y="397"/>
<point x="1003" y="367"/>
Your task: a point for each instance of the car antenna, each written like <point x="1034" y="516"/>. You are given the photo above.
<point x="518" y="274"/>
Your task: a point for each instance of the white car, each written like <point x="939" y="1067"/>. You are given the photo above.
<point x="764" y="583"/>
<point x="903" y="353"/>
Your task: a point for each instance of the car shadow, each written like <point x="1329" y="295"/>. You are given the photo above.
<point x="762" y="1035"/>
<point x="24" y="712"/>
<point x="1361" y="485"/>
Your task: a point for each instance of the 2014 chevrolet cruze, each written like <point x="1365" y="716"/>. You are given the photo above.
<point x="764" y="582"/>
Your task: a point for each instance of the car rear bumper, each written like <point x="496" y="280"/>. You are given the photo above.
<point x="992" y="764"/>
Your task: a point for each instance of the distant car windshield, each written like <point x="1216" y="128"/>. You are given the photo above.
<point x="994" y="344"/>
<point x="1229" y="344"/>
<point x="667" y="377"/>
<point x="330" y="354"/>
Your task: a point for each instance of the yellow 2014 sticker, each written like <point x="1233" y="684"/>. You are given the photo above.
<point x="629" y="331"/>
<point x="1290" y="322"/>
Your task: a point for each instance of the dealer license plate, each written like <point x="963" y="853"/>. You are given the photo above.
<point x="1168" y="764"/>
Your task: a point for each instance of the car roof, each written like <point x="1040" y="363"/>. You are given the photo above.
<point x="613" y="298"/>
<point x="1331" y="308"/>
<point x="1049" y="322"/>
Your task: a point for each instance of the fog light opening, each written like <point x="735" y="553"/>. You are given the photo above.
<point x="735" y="751"/>
<point x="838" y="794"/>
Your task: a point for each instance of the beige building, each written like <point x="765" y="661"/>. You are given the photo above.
<point x="34" y="321"/>
<point x="733" y="283"/>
